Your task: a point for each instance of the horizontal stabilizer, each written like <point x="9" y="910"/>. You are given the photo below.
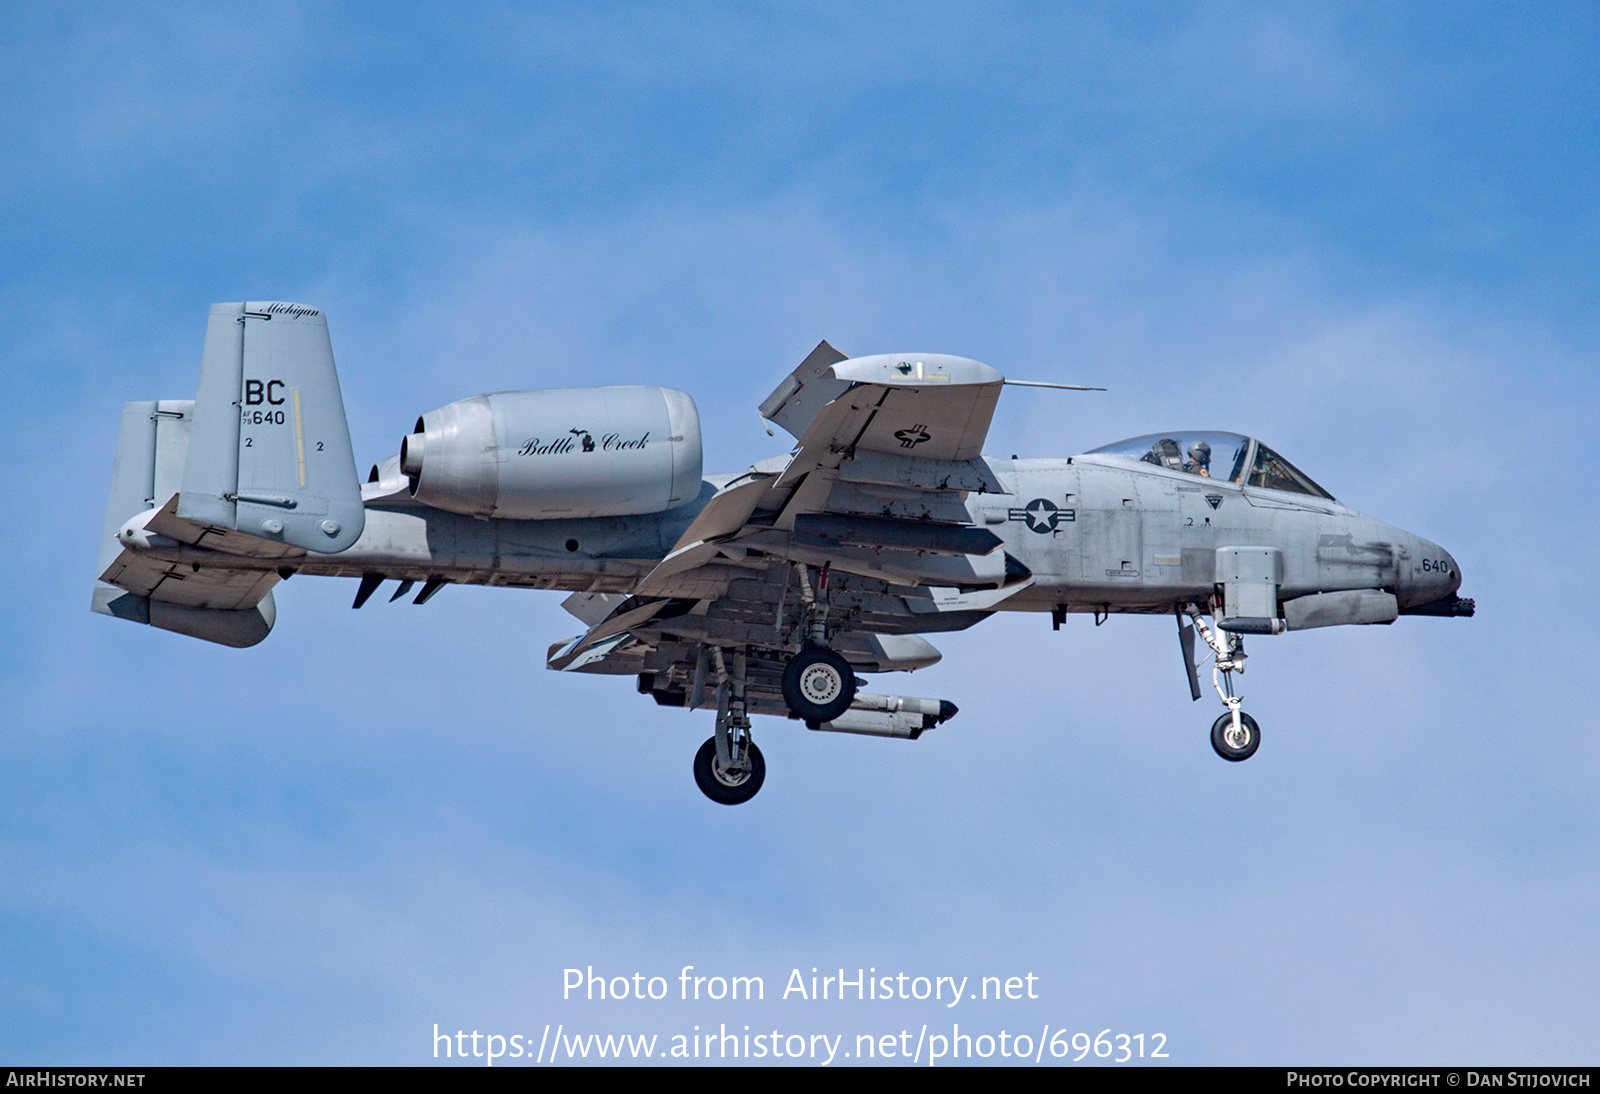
<point x="140" y="580"/>
<point x="238" y="628"/>
<point x="166" y="522"/>
<point x="151" y="446"/>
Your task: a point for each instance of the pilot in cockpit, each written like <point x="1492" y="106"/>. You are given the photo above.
<point x="1199" y="462"/>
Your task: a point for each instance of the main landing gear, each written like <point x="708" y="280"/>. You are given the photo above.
<point x="1235" y="736"/>
<point x="818" y="686"/>
<point x="728" y="784"/>
<point x="729" y="768"/>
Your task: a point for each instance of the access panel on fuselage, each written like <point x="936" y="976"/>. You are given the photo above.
<point x="1186" y="519"/>
<point x="1109" y="526"/>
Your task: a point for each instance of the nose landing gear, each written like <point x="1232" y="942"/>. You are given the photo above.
<point x="1235" y="736"/>
<point x="1235" y="742"/>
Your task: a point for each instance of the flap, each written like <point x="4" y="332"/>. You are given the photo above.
<point x="615" y="625"/>
<point x="892" y="423"/>
<point x="593" y="608"/>
<point x="951" y="599"/>
<point x="723" y="517"/>
<point x="919" y="473"/>
<point x="590" y="655"/>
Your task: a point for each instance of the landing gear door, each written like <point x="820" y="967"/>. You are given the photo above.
<point x="1186" y="642"/>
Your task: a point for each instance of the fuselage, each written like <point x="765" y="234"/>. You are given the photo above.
<point x="1102" y="532"/>
<point x="1097" y="533"/>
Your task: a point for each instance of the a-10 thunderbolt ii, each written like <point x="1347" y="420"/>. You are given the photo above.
<point x="765" y="591"/>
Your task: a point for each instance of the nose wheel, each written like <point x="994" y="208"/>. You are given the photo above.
<point x="1235" y="742"/>
<point x="1235" y="736"/>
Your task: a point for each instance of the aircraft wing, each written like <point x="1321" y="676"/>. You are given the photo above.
<point x="889" y="447"/>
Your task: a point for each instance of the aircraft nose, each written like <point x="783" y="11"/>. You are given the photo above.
<point x="1433" y="574"/>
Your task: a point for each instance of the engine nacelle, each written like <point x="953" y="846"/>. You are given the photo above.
<point x="563" y="453"/>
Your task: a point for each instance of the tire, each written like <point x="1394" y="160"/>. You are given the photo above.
<point x="714" y="785"/>
<point x="1232" y="751"/>
<point x="818" y="685"/>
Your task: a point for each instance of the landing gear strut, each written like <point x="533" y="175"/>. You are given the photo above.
<point x="1235" y="735"/>
<point x="729" y="768"/>
<point x="818" y="684"/>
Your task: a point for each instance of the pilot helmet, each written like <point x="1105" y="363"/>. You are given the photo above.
<point x="1200" y="453"/>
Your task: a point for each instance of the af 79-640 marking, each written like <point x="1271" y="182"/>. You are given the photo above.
<point x="765" y="591"/>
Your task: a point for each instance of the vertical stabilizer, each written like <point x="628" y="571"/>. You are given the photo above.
<point x="269" y="451"/>
<point x="212" y="479"/>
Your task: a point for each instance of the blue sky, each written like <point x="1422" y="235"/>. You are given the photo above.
<point x="1365" y="233"/>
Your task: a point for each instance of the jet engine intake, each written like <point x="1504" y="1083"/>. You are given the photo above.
<point x="557" y="454"/>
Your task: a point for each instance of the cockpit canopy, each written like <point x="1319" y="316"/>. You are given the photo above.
<point x="1225" y="456"/>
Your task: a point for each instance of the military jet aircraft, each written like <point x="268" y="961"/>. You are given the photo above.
<point x="765" y="591"/>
